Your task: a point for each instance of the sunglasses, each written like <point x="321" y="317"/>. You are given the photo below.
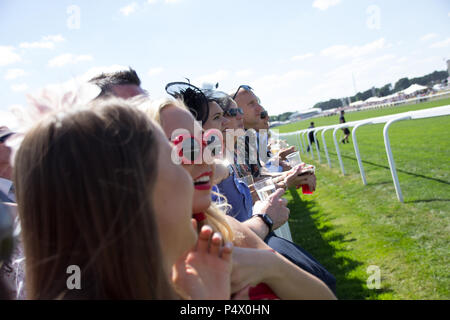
<point x="233" y="112"/>
<point x="243" y="86"/>
<point x="192" y="96"/>
<point x="264" y="114"/>
<point x="190" y="149"/>
<point x="5" y="137"/>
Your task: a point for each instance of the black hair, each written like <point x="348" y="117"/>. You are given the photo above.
<point x="107" y="80"/>
<point x="221" y="98"/>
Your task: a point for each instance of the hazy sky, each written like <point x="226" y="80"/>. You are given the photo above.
<point x="293" y="53"/>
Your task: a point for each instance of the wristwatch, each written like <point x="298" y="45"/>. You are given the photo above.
<point x="267" y="220"/>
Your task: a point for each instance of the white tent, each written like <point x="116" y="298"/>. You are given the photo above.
<point x="356" y="103"/>
<point x="414" y="88"/>
<point x="373" y="99"/>
<point x="390" y="96"/>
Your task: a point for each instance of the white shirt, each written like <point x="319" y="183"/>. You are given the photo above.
<point x="5" y="187"/>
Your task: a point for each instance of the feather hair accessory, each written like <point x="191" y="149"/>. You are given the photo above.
<point x="56" y="100"/>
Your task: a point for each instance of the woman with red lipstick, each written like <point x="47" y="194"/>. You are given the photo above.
<point x="254" y="271"/>
<point x="204" y="211"/>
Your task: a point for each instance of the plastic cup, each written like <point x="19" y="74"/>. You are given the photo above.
<point x="306" y="190"/>
<point x="305" y="187"/>
<point x="264" y="188"/>
<point x="294" y="159"/>
<point x="275" y="148"/>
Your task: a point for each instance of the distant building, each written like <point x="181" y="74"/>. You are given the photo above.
<point x="305" y="114"/>
<point x="273" y="124"/>
<point x="448" y="71"/>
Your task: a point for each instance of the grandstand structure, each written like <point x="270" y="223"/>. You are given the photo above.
<point x="305" y="114"/>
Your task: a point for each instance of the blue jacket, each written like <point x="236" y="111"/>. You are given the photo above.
<point x="238" y="196"/>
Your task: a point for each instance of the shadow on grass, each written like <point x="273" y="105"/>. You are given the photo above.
<point x="379" y="183"/>
<point x="398" y="170"/>
<point x="427" y="200"/>
<point x="306" y="234"/>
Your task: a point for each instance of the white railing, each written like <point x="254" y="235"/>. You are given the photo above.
<point x="388" y="120"/>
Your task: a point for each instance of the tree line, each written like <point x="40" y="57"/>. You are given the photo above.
<point x="387" y="89"/>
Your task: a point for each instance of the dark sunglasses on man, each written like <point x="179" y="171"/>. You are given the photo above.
<point x="233" y="112"/>
<point x="243" y="86"/>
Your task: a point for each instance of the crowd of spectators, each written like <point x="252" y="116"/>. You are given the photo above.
<point x="108" y="194"/>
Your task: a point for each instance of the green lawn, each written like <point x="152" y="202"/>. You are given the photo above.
<point x="348" y="226"/>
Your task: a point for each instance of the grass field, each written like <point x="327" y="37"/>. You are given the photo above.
<point x="348" y="226"/>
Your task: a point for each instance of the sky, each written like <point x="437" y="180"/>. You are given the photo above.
<point x="293" y="53"/>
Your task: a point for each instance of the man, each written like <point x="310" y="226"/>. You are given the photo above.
<point x="345" y="130"/>
<point x="311" y="137"/>
<point x="6" y="185"/>
<point x="122" y="84"/>
<point x="6" y="249"/>
<point x="262" y="129"/>
<point x="246" y="99"/>
<point x="250" y="104"/>
<point x="11" y="278"/>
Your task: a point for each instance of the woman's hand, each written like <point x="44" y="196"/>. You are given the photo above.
<point x="297" y="176"/>
<point x="285" y="152"/>
<point x="204" y="272"/>
<point x="285" y="165"/>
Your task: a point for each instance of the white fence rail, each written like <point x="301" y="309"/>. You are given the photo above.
<point x="388" y="120"/>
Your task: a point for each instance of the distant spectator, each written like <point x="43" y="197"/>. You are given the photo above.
<point x="345" y="130"/>
<point x="311" y="137"/>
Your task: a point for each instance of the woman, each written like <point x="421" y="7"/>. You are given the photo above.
<point x="253" y="269"/>
<point x="94" y="190"/>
